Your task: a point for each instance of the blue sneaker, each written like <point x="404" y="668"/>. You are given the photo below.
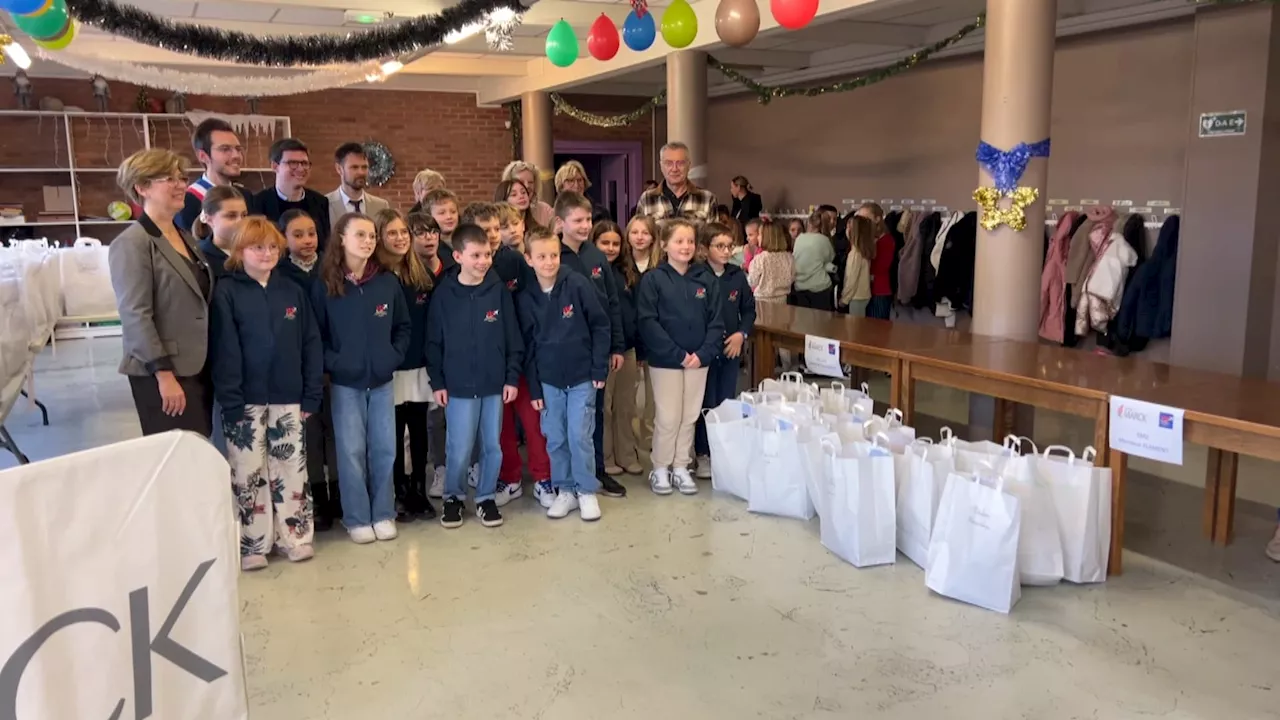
<point x="544" y="493"/>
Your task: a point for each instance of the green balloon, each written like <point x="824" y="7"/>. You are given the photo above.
<point x="45" y="26"/>
<point x="562" y="44"/>
<point x="679" y="24"/>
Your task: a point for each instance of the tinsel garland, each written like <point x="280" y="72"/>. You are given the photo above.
<point x="382" y="166"/>
<point x="376" y="43"/>
<point x="767" y="93"/>
<point x="1006" y="166"/>
<point x="515" y="116"/>
<point x="563" y="107"/>
<point x="198" y="83"/>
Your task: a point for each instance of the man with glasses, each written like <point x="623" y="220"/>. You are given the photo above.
<point x="677" y="196"/>
<point x="291" y="162"/>
<point x="218" y="149"/>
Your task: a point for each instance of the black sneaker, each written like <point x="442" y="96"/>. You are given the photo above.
<point x="610" y="487"/>
<point x="487" y="511"/>
<point x="402" y="513"/>
<point x="452" y="515"/>
<point x="426" y="510"/>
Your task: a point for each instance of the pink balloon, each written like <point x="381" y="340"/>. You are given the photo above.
<point x="793" y="14"/>
<point x="603" y="39"/>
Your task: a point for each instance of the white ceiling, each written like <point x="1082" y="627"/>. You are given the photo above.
<point x="848" y="36"/>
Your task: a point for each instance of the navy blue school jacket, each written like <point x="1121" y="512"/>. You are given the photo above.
<point x="215" y="257"/>
<point x="627" y="309"/>
<point x="264" y="345"/>
<point x="738" y="303"/>
<point x="303" y="278"/>
<point x="418" y="302"/>
<point x="566" y="333"/>
<point x="589" y="262"/>
<point x="679" y="314"/>
<point x="365" y="330"/>
<point x="473" y="337"/>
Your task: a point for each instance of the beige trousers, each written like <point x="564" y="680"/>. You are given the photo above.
<point x="677" y="401"/>
<point x="646" y="414"/>
<point x="619" y="411"/>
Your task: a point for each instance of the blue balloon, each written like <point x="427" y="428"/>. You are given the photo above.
<point x="21" y="7"/>
<point x="638" y="32"/>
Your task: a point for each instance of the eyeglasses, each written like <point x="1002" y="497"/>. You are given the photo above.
<point x="228" y="148"/>
<point x="297" y="164"/>
<point x="675" y="163"/>
<point x="721" y="246"/>
<point x="264" y="249"/>
<point x="170" y="179"/>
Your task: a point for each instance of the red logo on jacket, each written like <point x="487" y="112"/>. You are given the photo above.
<point x="291" y="313"/>
<point x="512" y="283"/>
<point x="596" y="273"/>
<point x="421" y="299"/>
<point x="733" y="296"/>
<point x="380" y="310"/>
<point x="567" y="311"/>
<point x="700" y="293"/>
<point x="491" y="316"/>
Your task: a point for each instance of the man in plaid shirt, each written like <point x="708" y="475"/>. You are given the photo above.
<point x="677" y="196"/>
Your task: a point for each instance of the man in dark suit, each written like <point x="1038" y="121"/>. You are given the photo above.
<point x="747" y="205"/>
<point x="291" y="162"/>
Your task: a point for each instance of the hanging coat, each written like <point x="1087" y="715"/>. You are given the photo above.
<point x="928" y="271"/>
<point x="1104" y="288"/>
<point x="955" y="271"/>
<point x="1053" y="280"/>
<point x="1146" y="313"/>
<point x="909" y="263"/>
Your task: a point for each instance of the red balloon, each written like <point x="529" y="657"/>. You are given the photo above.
<point x="603" y="39"/>
<point x="793" y="14"/>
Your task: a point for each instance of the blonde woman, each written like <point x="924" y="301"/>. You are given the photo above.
<point x="528" y="174"/>
<point x="424" y="182"/>
<point x="572" y="177"/>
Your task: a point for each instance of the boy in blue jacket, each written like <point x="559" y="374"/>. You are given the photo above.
<point x="738" y="311"/>
<point x="573" y="216"/>
<point x="567" y="336"/>
<point x="474" y="354"/>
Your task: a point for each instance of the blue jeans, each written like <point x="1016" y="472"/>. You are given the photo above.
<point x="722" y="384"/>
<point x="463" y="418"/>
<point x="364" y="428"/>
<point x="597" y="435"/>
<point x="569" y="422"/>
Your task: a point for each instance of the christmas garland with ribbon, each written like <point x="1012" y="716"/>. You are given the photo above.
<point x="377" y="43"/>
<point x="564" y="107"/>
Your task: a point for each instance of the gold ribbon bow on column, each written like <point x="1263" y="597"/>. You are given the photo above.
<point x="1015" y="216"/>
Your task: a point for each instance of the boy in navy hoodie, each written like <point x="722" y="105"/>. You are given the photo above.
<point x="738" y="311"/>
<point x="573" y="216"/>
<point x="474" y="354"/>
<point x="567" y="336"/>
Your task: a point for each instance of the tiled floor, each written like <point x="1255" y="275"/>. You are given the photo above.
<point x="693" y="608"/>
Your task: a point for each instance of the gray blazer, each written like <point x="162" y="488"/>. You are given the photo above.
<point x="163" y="314"/>
<point x="369" y="205"/>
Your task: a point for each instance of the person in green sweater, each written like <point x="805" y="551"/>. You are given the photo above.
<point x="814" y="257"/>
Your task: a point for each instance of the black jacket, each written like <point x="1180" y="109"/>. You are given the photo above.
<point x="737" y="302"/>
<point x="418" y="302"/>
<point x="268" y="203"/>
<point x="1146" y="311"/>
<point x="265" y="345"/>
<point x="627" y="309"/>
<point x="679" y="314"/>
<point x="566" y="334"/>
<point x="748" y="208"/>
<point x="955" y="268"/>
<point x="304" y="279"/>
<point x="215" y="257"/>
<point x="473" y="338"/>
<point x="365" y="330"/>
<point x="589" y="262"/>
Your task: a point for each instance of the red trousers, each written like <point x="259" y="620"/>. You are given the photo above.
<point x="534" y="443"/>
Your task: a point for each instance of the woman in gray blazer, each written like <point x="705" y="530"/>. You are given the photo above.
<point x="162" y="287"/>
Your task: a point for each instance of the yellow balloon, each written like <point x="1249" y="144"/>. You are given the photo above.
<point x="62" y="40"/>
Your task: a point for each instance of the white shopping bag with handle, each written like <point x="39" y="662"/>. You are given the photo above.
<point x="973" y="552"/>
<point x="1082" y="502"/>
<point x="730" y="445"/>
<point x="899" y="436"/>
<point x="791" y="385"/>
<point x="858" y="523"/>
<point x="1040" y="560"/>
<point x="978" y="454"/>
<point x="777" y="476"/>
<point x="86" y="280"/>
<point x="838" y="399"/>
<point x="921" y="472"/>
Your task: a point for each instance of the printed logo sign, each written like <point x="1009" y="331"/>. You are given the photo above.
<point x="1146" y="430"/>
<point x="1166" y="421"/>
<point x="491" y="316"/>
<point x="291" y="313"/>
<point x="567" y="311"/>
<point x="700" y="293"/>
<point x="380" y="310"/>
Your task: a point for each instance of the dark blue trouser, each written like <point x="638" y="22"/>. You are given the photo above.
<point x="722" y="384"/>
<point x="597" y="435"/>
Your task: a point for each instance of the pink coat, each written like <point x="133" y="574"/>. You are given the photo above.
<point x="1053" y="283"/>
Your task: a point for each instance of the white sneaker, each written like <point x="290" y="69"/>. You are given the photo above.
<point x="704" y="467"/>
<point x="507" y="492"/>
<point x="544" y="493"/>
<point x="437" y="484"/>
<point x="684" y="481"/>
<point x="660" y="481"/>
<point x="362" y="535"/>
<point x="385" y="530"/>
<point x="565" y="503"/>
<point x="589" y="507"/>
<point x="473" y="476"/>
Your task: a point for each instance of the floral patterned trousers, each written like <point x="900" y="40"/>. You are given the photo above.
<point x="269" y="478"/>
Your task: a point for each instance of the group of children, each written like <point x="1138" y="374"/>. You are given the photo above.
<point x="454" y="326"/>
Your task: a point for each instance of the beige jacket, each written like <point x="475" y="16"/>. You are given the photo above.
<point x="771" y="276"/>
<point x="857" y="278"/>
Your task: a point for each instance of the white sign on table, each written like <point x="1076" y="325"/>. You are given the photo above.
<point x="1146" y="430"/>
<point x="822" y="356"/>
<point x="118" y="585"/>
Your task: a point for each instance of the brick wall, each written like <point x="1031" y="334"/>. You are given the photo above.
<point x="446" y="132"/>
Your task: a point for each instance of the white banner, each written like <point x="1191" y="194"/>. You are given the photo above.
<point x="118" y="569"/>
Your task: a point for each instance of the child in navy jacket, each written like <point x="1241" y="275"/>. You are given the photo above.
<point x="365" y="325"/>
<point x="682" y="330"/>
<point x="474" y="356"/>
<point x="620" y="446"/>
<point x="738" y="311"/>
<point x="566" y="334"/>
<point x="268" y="378"/>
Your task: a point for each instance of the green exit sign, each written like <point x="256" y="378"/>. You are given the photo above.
<point x="1220" y="124"/>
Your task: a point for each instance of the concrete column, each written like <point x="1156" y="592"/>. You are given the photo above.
<point x="1017" y="90"/>
<point x="537" y="146"/>
<point x="687" y="107"/>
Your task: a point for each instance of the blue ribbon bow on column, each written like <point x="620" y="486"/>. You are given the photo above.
<point x="1006" y="166"/>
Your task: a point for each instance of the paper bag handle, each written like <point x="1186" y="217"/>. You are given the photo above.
<point x="829" y="446"/>
<point x="1089" y="454"/>
<point x="866" y="389"/>
<point x="875" y="441"/>
<point x="893" y="415"/>
<point x="837" y="387"/>
<point x="1071" y="456"/>
<point x="791" y="377"/>
<point x="980" y="475"/>
<point x="1014" y="442"/>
